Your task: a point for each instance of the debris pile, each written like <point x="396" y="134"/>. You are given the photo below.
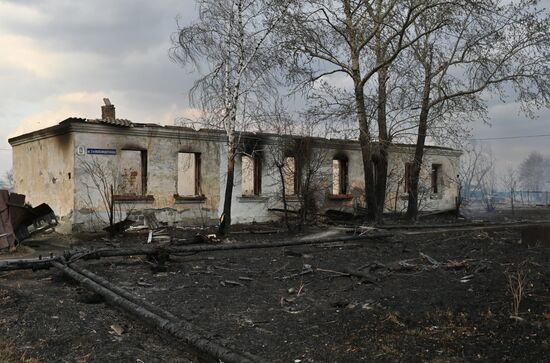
<point x="18" y="221"/>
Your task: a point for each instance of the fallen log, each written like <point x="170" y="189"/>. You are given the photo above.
<point x="180" y="330"/>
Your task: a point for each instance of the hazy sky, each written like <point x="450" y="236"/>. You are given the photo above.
<point x="59" y="58"/>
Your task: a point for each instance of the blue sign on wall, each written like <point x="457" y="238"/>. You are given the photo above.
<point x="91" y="151"/>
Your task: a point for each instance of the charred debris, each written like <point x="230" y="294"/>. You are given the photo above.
<point x="18" y="220"/>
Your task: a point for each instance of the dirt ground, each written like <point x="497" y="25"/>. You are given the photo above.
<point x="440" y="297"/>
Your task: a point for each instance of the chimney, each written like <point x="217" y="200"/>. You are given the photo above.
<point x="108" y="111"/>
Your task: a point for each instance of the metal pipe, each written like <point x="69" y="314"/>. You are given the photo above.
<point x="180" y="330"/>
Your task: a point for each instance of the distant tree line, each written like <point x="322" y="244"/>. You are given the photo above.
<point x="534" y="172"/>
<point x="480" y="180"/>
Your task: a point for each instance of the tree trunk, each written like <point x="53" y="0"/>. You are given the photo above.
<point x="381" y="181"/>
<point x="111" y="211"/>
<point x="285" y="205"/>
<point x="512" y="201"/>
<point x="306" y="198"/>
<point x="225" y="220"/>
<point x="458" y="201"/>
<point x="383" y="142"/>
<point x="366" y="151"/>
<point x="412" y="207"/>
<point x="360" y="109"/>
<point x="230" y="101"/>
<point x="112" y="206"/>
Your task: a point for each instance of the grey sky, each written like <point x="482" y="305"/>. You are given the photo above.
<point x="59" y="58"/>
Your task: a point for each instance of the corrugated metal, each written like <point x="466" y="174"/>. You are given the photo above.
<point x="73" y="119"/>
<point x="116" y="122"/>
<point x="120" y="122"/>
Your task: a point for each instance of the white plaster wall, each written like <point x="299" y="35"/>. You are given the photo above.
<point x="37" y="163"/>
<point x="162" y="154"/>
<point x="43" y="171"/>
<point x="445" y="199"/>
<point x="246" y="209"/>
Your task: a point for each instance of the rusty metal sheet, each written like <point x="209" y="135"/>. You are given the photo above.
<point x="16" y="204"/>
<point x="6" y="230"/>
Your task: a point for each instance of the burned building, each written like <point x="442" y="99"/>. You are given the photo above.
<point x="178" y="173"/>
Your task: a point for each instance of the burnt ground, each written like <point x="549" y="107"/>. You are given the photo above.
<point x="436" y="297"/>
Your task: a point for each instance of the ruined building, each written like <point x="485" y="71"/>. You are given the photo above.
<point x="179" y="174"/>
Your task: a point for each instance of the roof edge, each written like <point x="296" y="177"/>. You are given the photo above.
<point x="75" y="124"/>
<point x="56" y="130"/>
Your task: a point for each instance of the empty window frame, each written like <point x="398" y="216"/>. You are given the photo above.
<point x="189" y="174"/>
<point x="133" y="173"/>
<point x="340" y="176"/>
<point x="289" y="175"/>
<point x="436" y="174"/>
<point x="251" y="176"/>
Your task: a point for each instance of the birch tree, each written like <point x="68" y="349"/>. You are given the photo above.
<point x="487" y="47"/>
<point x="233" y="40"/>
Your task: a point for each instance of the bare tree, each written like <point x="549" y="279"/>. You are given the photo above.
<point x="284" y="172"/>
<point x="102" y="182"/>
<point x="509" y="180"/>
<point x="484" y="46"/>
<point x="477" y="173"/>
<point x="532" y="172"/>
<point x="358" y="39"/>
<point x="396" y="181"/>
<point x="234" y="39"/>
<point x="278" y="151"/>
<point x="518" y="278"/>
<point x="488" y="186"/>
<point x="298" y="163"/>
<point x="312" y="178"/>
